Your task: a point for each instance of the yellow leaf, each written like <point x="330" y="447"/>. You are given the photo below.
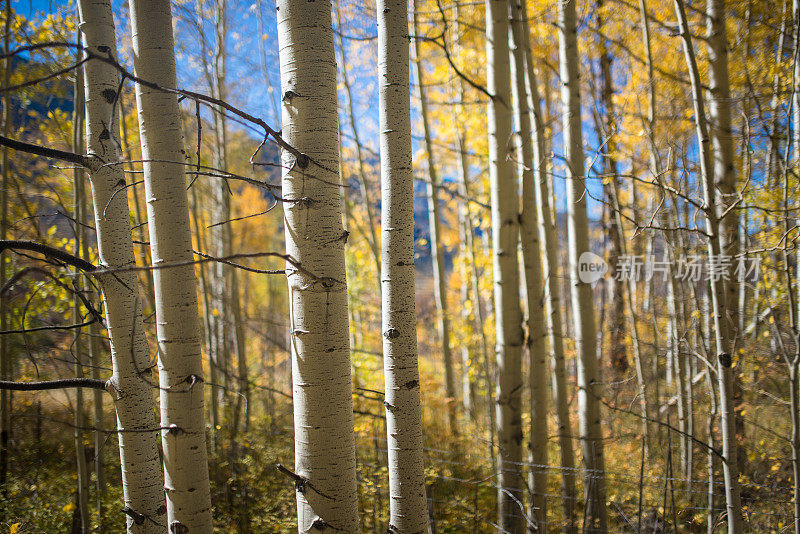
<point x="14" y="528"/>
<point x="69" y="507"/>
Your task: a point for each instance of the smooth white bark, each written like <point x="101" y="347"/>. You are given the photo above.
<point x="582" y="306"/>
<point x="132" y="388"/>
<point x="722" y="337"/>
<point x="180" y="363"/>
<point x="529" y="163"/>
<point x="401" y="372"/>
<point x="79" y="344"/>
<point x="435" y="232"/>
<point x="371" y="233"/>
<point x="722" y="151"/>
<point x="551" y="273"/>
<point x="323" y="408"/>
<point x="505" y="238"/>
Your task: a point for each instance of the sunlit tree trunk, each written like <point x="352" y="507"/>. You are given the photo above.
<point x="195" y="207"/>
<point x="403" y="412"/>
<point x="79" y="344"/>
<point x="623" y="289"/>
<point x="582" y="307"/>
<point x="479" y="316"/>
<point x="794" y="304"/>
<point x="470" y="265"/>
<point x="505" y="239"/>
<point x="241" y="413"/>
<point x="371" y="235"/>
<point x="180" y="361"/>
<point x="551" y="273"/>
<point x="615" y="288"/>
<point x="676" y="311"/>
<point x="140" y="219"/>
<point x="722" y="337"/>
<point x="220" y="319"/>
<point x="722" y="150"/>
<point x="434" y="229"/>
<point x="725" y="180"/>
<point x="323" y="409"/>
<point x="131" y="382"/>
<point x="469" y="387"/>
<point x="529" y="162"/>
<point x="96" y="350"/>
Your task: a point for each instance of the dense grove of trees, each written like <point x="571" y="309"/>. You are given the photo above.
<point x="405" y="267"/>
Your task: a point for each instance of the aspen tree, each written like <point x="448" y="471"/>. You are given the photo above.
<point x="722" y="152"/>
<point x="796" y="89"/>
<point x="722" y="337"/>
<point x="371" y="235"/>
<point x="79" y="344"/>
<point x="470" y="260"/>
<point x="468" y="385"/>
<point x="505" y="237"/>
<point x="140" y="219"/>
<point x="434" y="228"/>
<point x="401" y="371"/>
<point x="615" y="288"/>
<point x="724" y="172"/>
<point x="131" y="387"/>
<point x="220" y="235"/>
<point x="551" y="273"/>
<point x="582" y="307"/>
<point x="529" y="162"/>
<point x="5" y="264"/>
<point x="794" y="304"/>
<point x="180" y="363"/>
<point x="323" y="409"/>
<point x="607" y="131"/>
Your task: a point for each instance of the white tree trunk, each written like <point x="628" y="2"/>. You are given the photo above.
<point x="79" y="343"/>
<point x="323" y="409"/>
<point x="582" y="306"/>
<point x="794" y="381"/>
<point x="401" y="371"/>
<point x="725" y="180"/>
<point x="721" y="134"/>
<point x="607" y="130"/>
<point x="180" y="361"/>
<point x="530" y="162"/>
<point x="505" y="237"/>
<point x="371" y="234"/>
<point x="434" y="229"/>
<point x="551" y="273"/>
<point x="132" y="389"/>
<point x="220" y="320"/>
<point x="722" y="338"/>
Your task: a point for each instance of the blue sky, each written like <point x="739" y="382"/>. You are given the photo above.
<point x="251" y="54"/>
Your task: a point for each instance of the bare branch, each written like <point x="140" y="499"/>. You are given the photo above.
<point x="64" y="383"/>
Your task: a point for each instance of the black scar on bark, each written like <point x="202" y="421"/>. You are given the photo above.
<point x="138" y="518"/>
<point x="411" y="384"/>
<point x="110" y="95"/>
<point x="391" y="333"/>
